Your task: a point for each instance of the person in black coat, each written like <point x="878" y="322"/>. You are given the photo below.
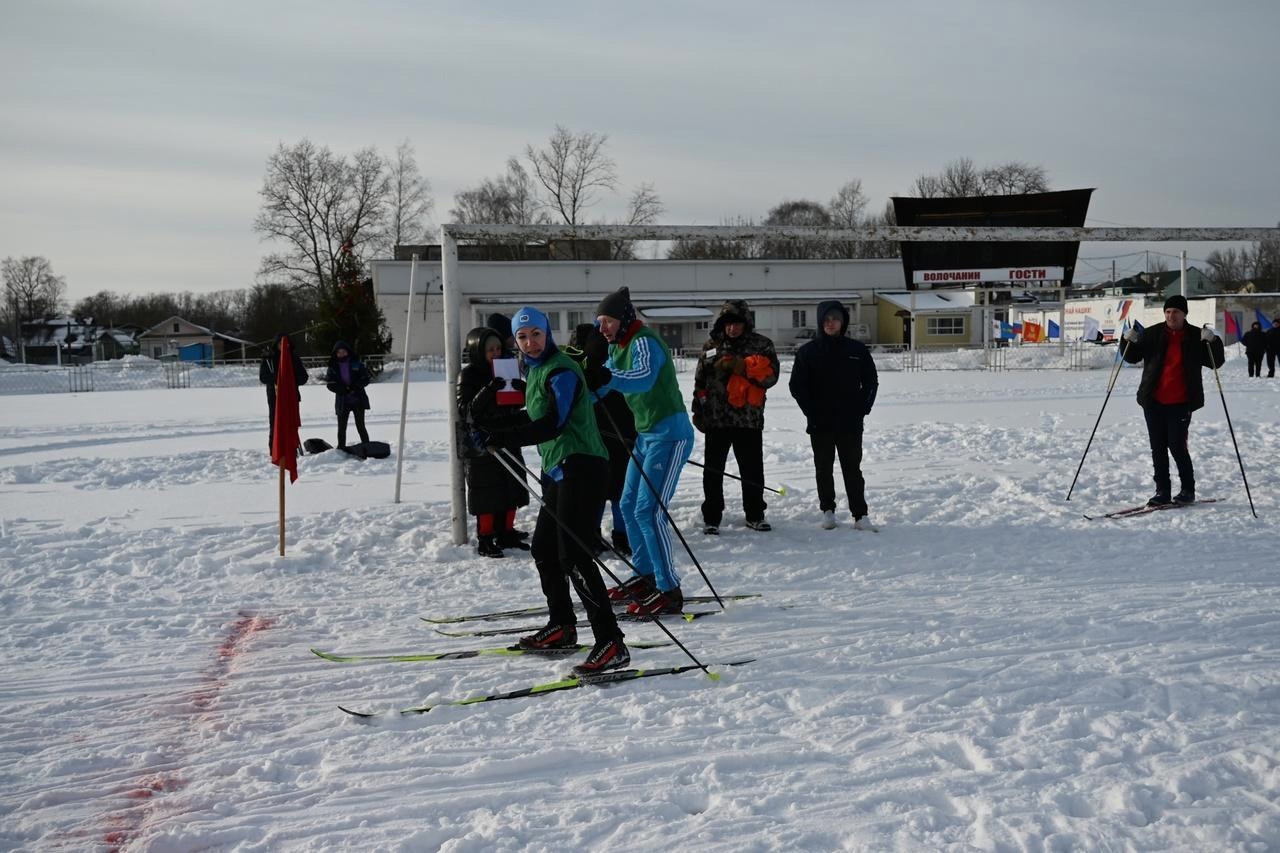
<point x="1172" y="355"/>
<point x="834" y="381"/>
<point x="268" y="369"/>
<point x="493" y="495"/>
<point x="1255" y="347"/>
<point x="1273" y="346"/>
<point x="347" y="377"/>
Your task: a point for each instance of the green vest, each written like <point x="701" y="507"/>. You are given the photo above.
<point x="660" y="401"/>
<point x="580" y="434"/>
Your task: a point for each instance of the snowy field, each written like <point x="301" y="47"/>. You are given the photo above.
<point x="990" y="671"/>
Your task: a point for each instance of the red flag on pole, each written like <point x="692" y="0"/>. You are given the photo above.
<point x="1233" y="327"/>
<point x="284" y="443"/>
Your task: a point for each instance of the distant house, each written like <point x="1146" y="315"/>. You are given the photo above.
<point x="57" y="340"/>
<point x="72" y="340"/>
<point x="940" y="317"/>
<point x="180" y="340"/>
<point x="116" y="342"/>
<point x="1169" y="282"/>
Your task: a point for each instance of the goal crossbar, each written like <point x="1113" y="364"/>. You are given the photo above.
<point x="867" y="233"/>
<point x="450" y="235"/>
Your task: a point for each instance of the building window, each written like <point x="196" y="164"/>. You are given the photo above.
<point x="175" y="328"/>
<point x="702" y="325"/>
<point x="577" y="318"/>
<point x="944" y="326"/>
<point x="799" y="318"/>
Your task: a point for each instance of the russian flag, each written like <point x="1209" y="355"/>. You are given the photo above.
<point x="1054" y="330"/>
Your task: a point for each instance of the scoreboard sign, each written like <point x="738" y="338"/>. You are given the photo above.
<point x="1013" y="275"/>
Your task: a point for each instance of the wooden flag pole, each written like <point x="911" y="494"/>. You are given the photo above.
<point x="282" y="510"/>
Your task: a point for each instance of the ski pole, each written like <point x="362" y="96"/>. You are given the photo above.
<point x="635" y="460"/>
<point x="1110" y="386"/>
<point x="782" y="491"/>
<point x="588" y="550"/>
<point x="1231" y="429"/>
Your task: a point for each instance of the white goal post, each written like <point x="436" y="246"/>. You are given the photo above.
<point x="451" y="234"/>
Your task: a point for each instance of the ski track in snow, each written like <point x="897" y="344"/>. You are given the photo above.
<point x="990" y="671"/>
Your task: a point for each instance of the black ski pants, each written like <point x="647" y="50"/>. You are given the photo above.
<point x="271" y="422"/>
<point x="848" y="446"/>
<point x="748" y="450"/>
<point x="1255" y="362"/>
<point x="576" y="501"/>
<point x="342" y="425"/>
<point x="1271" y="364"/>
<point x="1167" y="428"/>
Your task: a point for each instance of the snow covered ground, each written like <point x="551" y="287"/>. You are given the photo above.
<point x="990" y="671"/>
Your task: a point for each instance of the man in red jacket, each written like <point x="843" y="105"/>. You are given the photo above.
<point x="1172" y="355"/>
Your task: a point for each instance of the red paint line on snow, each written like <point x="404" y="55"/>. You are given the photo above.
<point x="125" y="825"/>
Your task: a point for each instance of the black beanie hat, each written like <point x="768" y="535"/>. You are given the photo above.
<point x="1176" y="301"/>
<point x="618" y="305"/>
<point x="501" y="324"/>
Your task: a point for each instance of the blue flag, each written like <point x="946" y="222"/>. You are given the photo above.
<point x="1262" y="319"/>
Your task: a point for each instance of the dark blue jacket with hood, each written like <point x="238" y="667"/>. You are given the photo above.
<point x="834" y="379"/>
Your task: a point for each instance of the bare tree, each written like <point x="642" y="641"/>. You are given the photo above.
<point x="643" y="208"/>
<point x="800" y="213"/>
<point x="846" y="209"/>
<point x="1231" y="268"/>
<point x="31" y="290"/>
<point x="1266" y="263"/>
<point x="1014" y="178"/>
<point x="927" y="186"/>
<point x="409" y="201"/>
<point x="509" y="199"/>
<point x="315" y="203"/>
<point x="962" y="179"/>
<point x="572" y="170"/>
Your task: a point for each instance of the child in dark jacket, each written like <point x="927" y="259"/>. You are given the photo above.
<point x="347" y="377"/>
<point x="493" y="495"/>
<point x="268" y="369"/>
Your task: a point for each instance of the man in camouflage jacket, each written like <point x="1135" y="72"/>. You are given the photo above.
<point x="737" y="366"/>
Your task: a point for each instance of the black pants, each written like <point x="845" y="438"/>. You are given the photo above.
<point x="576" y="500"/>
<point x="748" y="450"/>
<point x="1255" y="362"/>
<point x="848" y="445"/>
<point x="342" y="425"/>
<point x="1167" y="428"/>
<point x="1271" y="364"/>
<point x="271" y="422"/>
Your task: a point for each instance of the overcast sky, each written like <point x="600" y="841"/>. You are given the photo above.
<point x="135" y="133"/>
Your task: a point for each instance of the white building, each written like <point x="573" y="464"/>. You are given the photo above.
<point x="678" y="299"/>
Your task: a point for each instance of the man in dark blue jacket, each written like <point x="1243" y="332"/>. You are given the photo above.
<point x="835" y="382"/>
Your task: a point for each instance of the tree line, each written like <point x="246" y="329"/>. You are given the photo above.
<point x="327" y="214"/>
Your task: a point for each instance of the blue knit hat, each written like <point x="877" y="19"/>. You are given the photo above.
<point x="530" y="317"/>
